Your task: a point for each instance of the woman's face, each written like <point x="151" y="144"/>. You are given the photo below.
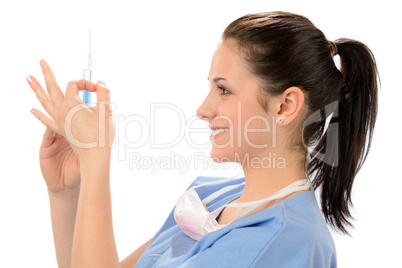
<point x="232" y="104"/>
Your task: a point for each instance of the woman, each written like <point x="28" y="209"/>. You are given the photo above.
<point x="273" y="85"/>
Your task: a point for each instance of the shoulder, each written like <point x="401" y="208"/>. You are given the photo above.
<point x="283" y="235"/>
<point x="303" y="240"/>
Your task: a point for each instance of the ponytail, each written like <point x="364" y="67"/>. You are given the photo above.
<point x="356" y="117"/>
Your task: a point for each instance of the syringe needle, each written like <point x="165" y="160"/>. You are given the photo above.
<point x="88" y="74"/>
<point x="89" y="42"/>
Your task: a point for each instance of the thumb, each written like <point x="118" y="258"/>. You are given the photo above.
<point x="102" y="93"/>
<point x="48" y="137"/>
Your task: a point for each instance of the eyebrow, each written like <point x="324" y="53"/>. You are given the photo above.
<point x="216" y="79"/>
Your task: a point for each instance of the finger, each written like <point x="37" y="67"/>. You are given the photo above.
<point x="40" y="94"/>
<point x="56" y="95"/>
<point x="102" y="93"/>
<point x="46" y="120"/>
<point x="74" y="87"/>
<point x="48" y="137"/>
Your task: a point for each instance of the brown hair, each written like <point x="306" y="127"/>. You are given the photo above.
<point x="285" y="50"/>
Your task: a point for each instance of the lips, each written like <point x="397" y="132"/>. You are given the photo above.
<point x="216" y="132"/>
<point x="219" y="131"/>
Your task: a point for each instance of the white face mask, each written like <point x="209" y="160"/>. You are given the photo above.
<point x="194" y="219"/>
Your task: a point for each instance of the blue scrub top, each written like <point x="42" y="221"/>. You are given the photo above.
<point x="292" y="233"/>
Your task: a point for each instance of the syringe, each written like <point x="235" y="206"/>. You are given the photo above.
<point x="86" y="95"/>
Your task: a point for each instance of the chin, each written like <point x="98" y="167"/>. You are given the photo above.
<point x="221" y="155"/>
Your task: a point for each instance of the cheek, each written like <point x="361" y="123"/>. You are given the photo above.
<point x="247" y="123"/>
<point x="228" y="115"/>
<point x="256" y="129"/>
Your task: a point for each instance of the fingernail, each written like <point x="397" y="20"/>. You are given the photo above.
<point x="29" y="79"/>
<point x="33" y="111"/>
<point x="103" y="83"/>
<point x="41" y="63"/>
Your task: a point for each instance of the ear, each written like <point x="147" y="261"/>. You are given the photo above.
<point x="288" y="105"/>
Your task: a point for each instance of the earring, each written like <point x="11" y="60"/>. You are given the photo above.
<point x="280" y="120"/>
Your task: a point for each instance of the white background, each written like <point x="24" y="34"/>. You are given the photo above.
<point x="160" y="51"/>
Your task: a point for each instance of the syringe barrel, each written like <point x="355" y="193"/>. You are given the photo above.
<point x="88" y="74"/>
<point x="86" y="95"/>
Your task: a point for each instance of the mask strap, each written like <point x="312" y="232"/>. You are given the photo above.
<point x="250" y="206"/>
<point x="214" y="195"/>
<point x="305" y="184"/>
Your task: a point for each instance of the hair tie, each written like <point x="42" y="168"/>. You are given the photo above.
<point x="333" y="47"/>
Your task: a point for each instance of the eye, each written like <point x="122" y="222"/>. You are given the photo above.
<point x="223" y="90"/>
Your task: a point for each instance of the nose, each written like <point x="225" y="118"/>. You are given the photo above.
<point x="206" y="110"/>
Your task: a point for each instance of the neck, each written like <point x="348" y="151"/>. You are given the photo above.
<point x="263" y="180"/>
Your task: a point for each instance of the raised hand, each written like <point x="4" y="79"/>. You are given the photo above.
<point x="88" y="130"/>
